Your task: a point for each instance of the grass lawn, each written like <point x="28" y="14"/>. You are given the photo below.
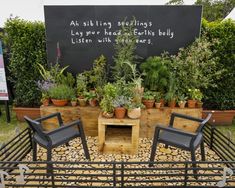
<point x="9" y="130"/>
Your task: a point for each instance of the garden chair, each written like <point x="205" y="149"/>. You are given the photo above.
<point x="56" y="137"/>
<point x="179" y="138"/>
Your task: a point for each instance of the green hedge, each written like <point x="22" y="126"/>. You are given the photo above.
<point x="26" y="41"/>
<point x="223" y="96"/>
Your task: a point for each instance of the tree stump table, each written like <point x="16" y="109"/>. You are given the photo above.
<point x="118" y="135"/>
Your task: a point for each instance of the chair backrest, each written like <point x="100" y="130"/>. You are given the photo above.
<point x="35" y="126"/>
<point x="203" y="122"/>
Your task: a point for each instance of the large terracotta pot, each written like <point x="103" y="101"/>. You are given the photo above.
<point x="32" y="113"/>
<point x="192" y="103"/>
<point x="134" y="113"/>
<point x="171" y="104"/>
<point x="120" y="112"/>
<point x="148" y="103"/>
<point x="60" y="102"/>
<point x="220" y="117"/>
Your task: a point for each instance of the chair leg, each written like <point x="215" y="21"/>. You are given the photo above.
<point x="166" y="146"/>
<point x="34" y="147"/>
<point x="154" y="148"/>
<point x="67" y="144"/>
<point x="193" y="160"/>
<point x="203" y="151"/>
<point x="84" y="144"/>
<point x="49" y="166"/>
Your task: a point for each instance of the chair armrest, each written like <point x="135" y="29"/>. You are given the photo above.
<point x="183" y="116"/>
<point x="57" y="114"/>
<point x="174" y="130"/>
<point x="64" y="127"/>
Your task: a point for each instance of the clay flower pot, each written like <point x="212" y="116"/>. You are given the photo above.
<point x="171" y="104"/>
<point x="74" y="103"/>
<point x="182" y="104"/>
<point x="192" y="103"/>
<point x="46" y="102"/>
<point x="148" y="103"/>
<point x="59" y="102"/>
<point x="162" y="101"/>
<point x="120" y="112"/>
<point x="199" y="104"/>
<point x="107" y="114"/>
<point x="93" y="102"/>
<point x="134" y="113"/>
<point x="82" y="101"/>
<point x="158" y="105"/>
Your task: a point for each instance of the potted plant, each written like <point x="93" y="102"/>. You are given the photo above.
<point x="171" y="99"/>
<point x="182" y="100"/>
<point x="148" y="99"/>
<point x="106" y="104"/>
<point x="199" y="97"/>
<point x="74" y="101"/>
<point x="45" y="99"/>
<point x="81" y="80"/>
<point x="158" y="98"/>
<point x="120" y="103"/>
<point x="192" y="98"/>
<point x="60" y="94"/>
<point x="92" y="98"/>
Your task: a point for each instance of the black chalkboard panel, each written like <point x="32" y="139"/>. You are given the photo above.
<point x="86" y="32"/>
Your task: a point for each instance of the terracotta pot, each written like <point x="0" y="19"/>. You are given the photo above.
<point x="82" y="101"/>
<point x="32" y="113"/>
<point x="148" y="103"/>
<point x="162" y="101"/>
<point x="192" y="103"/>
<point x="46" y="102"/>
<point x="171" y="104"/>
<point x="59" y="102"/>
<point x="134" y="113"/>
<point x="120" y="112"/>
<point x="158" y="104"/>
<point x="107" y="114"/>
<point x="199" y="104"/>
<point x="93" y="102"/>
<point x="220" y="117"/>
<point x="182" y="104"/>
<point x="74" y="103"/>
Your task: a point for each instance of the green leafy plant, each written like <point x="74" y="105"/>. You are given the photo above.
<point x="195" y="94"/>
<point x="27" y="47"/>
<point x="61" y="92"/>
<point x="74" y="99"/>
<point x="156" y="73"/>
<point x="158" y="96"/>
<point x="171" y="93"/>
<point x="90" y="95"/>
<point x="149" y="95"/>
<point x="182" y="98"/>
<point x="81" y="80"/>
<point x="121" y="101"/>
<point x="124" y="52"/>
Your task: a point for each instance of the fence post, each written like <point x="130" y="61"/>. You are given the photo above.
<point x="212" y="136"/>
<point x="114" y="174"/>
<point x="186" y="174"/>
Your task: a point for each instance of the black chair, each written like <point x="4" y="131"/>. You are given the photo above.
<point x="179" y="138"/>
<point x="56" y="137"/>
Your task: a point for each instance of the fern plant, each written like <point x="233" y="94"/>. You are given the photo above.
<point x="156" y="73"/>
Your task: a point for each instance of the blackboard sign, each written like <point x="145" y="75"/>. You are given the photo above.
<point x="86" y="32"/>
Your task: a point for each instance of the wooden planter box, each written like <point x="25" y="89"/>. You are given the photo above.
<point x="220" y="117"/>
<point x="23" y="111"/>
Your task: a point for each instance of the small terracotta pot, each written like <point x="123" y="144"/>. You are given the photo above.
<point x="171" y="104"/>
<point x="59" y="102"/>
<point x="93" y="102"/>
<point x="120" y="112"/>
<point x="158" y="105"/>
<point x="192" y="103"/>
<point x="107" y="114"/>
<point x="82" y="101"/>
<point x="148" y="103"/>
<point x="46" y="102"/>
<point x="134" y="113"/>
<point x="182" y="104"/>
<point x="199" y="104"/>
<point x="74" y="103"/>
<point x="162" y="101"/>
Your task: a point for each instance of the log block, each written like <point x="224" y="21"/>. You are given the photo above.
<point x="68" y="114"/>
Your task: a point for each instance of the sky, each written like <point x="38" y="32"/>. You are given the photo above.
<point x="33" y="9"/>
